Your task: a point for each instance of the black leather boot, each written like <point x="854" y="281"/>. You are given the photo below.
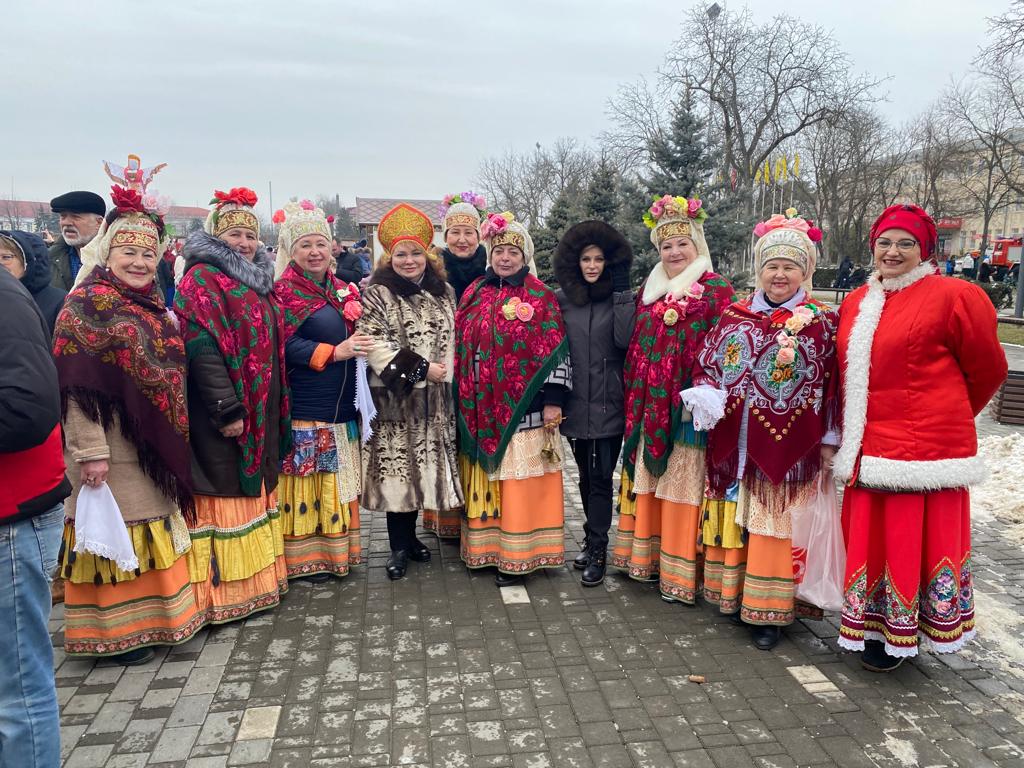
<point x="419" y="551"/>
<point x="875" y="659"/>
<point x="765" y="638"/>
<point x="397" y="564"/>
<point x="583" y="558"/>
<point x="507" y="579"/>
<point x="593" y="574"/>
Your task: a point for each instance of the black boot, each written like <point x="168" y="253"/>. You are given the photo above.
<point x="507" y="579"/>
<point x="134" y="658"/>
<point x="583" y="558"/>
<point x="875" y="659"/>
<point x="397" y="563"/>
<point x="593" y="574"/>
<point x="418" y="551"/>
<point x="765" y="638"/>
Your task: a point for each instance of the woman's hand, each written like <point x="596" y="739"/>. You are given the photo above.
<point x="827" y="454"/>
<point x="436" y="373"/>
<point x="552" y="415"/>
<point x="93" y="473"/>
<point x="234" y="429"/>
<point x="356" y="344"/>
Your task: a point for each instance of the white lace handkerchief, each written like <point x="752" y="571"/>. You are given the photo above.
<point x="100" y="529"/>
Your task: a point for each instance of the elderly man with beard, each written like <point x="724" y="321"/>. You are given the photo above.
<point x="81" y="214"/>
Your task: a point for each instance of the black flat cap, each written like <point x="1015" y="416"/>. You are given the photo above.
<point x="79" y="202"/>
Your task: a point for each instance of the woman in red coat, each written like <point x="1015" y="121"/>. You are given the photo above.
<point x="920" y="359"/>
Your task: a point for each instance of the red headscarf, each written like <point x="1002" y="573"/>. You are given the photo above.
<point x="914" y="220"/>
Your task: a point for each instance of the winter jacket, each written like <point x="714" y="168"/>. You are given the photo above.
<point x="920" y="359"/>
<point x="321" y="390"/>
<point x="60" y="262"/>
<point x="599" y="324"/>
<point x="212" y="401"/>
<point x="350" y="267"/>
<point x="32" y="478"/>
<point x="37" y="275"/>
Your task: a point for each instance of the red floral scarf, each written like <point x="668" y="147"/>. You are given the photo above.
<point x="210" y="305"/>
<point x="508" y="339"/>
<point x="300" y="296"/>
<point x="119" y="353"/>
<point x="661" y="354"/>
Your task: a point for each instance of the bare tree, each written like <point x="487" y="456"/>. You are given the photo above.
<point x="1007" y="35"/>
<point x="764" y="84"/>
<point x="989" y="168"/>
<point x="638" y="115"/>
<point x="527" y="184"/>
<point x="937" y="154"/>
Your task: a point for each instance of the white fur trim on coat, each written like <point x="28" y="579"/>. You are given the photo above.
<point x="659" y="284"/>
<point x="898" y="475"/>
<point x="857" y="373"/>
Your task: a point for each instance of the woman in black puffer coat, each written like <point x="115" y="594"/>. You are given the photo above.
<point x="30" y="260"/>
<point x="591" y="264"/>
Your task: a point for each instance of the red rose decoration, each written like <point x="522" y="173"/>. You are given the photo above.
<point x="126" y="200"/>
<point x="278" y="217"/>
<point x="237" y="195"/>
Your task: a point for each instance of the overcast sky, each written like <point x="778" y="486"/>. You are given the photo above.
<point x="373" y="98"/>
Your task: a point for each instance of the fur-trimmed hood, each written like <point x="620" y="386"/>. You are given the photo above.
<point x="400" y="286"/>
<point x="204" y="248"/>
<point x="566" y="260"/>
<point x="38" y="271"/>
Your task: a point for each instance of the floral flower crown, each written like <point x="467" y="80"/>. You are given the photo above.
<point x="477" y="201"/>
<point x="674" y="207"/>
<point x="495" y="224"/>
<point x="305" y="205"/>
<point x="789" y="220"/>
<point x="151" y="205"/>
<point x="237" y="195"/>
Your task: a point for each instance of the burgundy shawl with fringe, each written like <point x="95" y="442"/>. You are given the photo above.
<point x="119" y="353"/>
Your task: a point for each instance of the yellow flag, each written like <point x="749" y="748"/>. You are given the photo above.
<point x="796" y="166"/>
<point x="780" y="169"/>
<point x="767" y="172"/>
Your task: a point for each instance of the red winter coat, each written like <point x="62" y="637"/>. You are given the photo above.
<point x="920" y="359"/>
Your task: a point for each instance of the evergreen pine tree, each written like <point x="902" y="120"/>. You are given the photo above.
<point x="601" y="201"/>
<point x="680" y="161"/>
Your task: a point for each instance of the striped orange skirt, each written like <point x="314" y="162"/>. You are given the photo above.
<point x="237" y="563"/>
<point x="108" y="611"/>
<point x="756" y="580"/>
<point x="529" y="532"/>
<point x="446" y="524"/>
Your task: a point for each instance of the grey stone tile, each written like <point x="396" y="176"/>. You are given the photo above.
<point x="174" y="744"/>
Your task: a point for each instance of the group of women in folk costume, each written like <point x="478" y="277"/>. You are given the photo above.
<point x="242" y="435"/>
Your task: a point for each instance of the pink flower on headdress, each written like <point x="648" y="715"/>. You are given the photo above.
<point x="693" y="206"/>
<point x="814" y="234"/>
<point x="278" y="217"/>
<point x="307" y="205"/>
<point x="657" y="210"/>
<point x="154" y="203"/>
<point x="495" y="224"/>
<point x="448" y="200"/>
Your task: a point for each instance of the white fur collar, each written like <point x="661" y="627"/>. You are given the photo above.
<point x="659" y="284"/>
<point x="890" y="284"/>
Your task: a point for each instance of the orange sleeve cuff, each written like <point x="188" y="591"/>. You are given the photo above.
<point x="321" y="357"/>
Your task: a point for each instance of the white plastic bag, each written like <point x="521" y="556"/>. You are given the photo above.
<point x="100" y="529"/>
<point x="819" y="554"/>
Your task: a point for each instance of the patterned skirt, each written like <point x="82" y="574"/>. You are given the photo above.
<point x="514" y="520"/>
<point x="109" y="611"/>
<point x="317" y="494"/>
<point x="445" y="524"/>
<point x="237" y="558"/>
<point x="659" y="521"/>
<point x="908" y="570"/>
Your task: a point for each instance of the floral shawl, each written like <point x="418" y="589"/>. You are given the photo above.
<point x="790" y="403"/>
<point x="219" y="310"/>
<point x="118" y="353"/>
<point x="300" y="296"/>
<point x="661" y="354"/>
<point x="508" y="339"/>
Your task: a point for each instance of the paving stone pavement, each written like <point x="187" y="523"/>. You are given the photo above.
<point x="444" y="669"/>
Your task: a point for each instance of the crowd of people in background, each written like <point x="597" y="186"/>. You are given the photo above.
<point x="227" y="425"/>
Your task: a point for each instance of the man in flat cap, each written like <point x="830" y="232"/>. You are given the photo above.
<point x="81" y="214"/>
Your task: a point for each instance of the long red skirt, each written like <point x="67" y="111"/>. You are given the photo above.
<point x="908" y="570"/>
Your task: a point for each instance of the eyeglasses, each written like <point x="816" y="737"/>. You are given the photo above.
<point x="903" y="246"/>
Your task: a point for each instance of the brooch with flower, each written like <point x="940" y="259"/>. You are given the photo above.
<point x="788" y="342"/>
<point x="516" y="309"/>
<point x="351" y="303"/>
<point x="674" y="308"/>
